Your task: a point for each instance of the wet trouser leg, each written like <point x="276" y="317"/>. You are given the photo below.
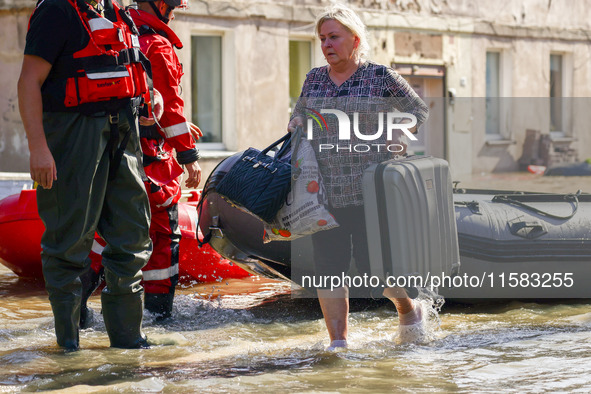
<point x="161" y="272"/>
<point x="91" y="280"/>
<point x="72" y="208"/>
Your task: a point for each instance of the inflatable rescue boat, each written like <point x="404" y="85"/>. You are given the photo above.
<point x="21" y="230"/>
<point x="516" y="245"/>
<point x="512" y="244"/>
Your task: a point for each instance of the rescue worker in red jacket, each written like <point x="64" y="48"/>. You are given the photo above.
<point x="158" y="42"/>
<point x="82" y="80"/>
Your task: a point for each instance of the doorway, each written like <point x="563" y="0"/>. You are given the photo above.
<point x="429" y="83"/>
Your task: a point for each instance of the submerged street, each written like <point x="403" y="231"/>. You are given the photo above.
<point x="251" y="335"/>
<point x="235" y="343"/>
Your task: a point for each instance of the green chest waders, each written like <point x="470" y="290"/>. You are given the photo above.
<point x="84" y="200"/>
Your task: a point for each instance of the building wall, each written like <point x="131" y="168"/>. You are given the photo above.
<point x="14" y="17"/>
<point x="454" y="34"/>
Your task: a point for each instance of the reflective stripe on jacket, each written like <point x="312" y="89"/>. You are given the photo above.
<point x="157" y="42"/>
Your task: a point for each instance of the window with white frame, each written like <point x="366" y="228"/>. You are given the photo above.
<point x="493" y="90"/>
<point x="206" y="87"/>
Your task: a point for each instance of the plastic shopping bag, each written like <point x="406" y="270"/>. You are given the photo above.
<point x="304" y="211"/>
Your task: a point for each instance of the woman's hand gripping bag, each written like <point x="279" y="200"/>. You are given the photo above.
<point x="304" y="211"/>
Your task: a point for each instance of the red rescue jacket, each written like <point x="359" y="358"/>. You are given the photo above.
<point x="104" y="75"/>
<point x="157" y="42"/>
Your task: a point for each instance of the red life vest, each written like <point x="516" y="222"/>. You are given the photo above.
<point x="107" y="73"/>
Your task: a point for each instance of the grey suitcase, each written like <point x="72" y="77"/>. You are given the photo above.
<point x="411" y="227"/>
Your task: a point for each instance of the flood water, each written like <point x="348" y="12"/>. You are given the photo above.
<point x="250" y="336"/>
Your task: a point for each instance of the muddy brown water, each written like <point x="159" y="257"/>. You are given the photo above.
<point x="249" y="335"/>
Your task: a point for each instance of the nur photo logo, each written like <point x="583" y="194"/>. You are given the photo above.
<point x="387" y="122"/>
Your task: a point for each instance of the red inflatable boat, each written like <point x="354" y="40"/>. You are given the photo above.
<point x="21" y="230"/>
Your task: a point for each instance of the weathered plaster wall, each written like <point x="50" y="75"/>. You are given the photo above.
<point x="451" y="33"/>
<point x="14" y="154"/>
<point x="255" y="79"/>
<point x="527" y="97"/>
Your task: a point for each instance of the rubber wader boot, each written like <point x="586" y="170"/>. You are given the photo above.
<point x="90" y="282"/>
<point x="123" y="314"/>
<point x="67" y="315"/>
<point x="159" y="305"/>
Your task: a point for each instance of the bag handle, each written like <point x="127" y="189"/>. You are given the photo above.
<point x="298" y="135"/>
<point x="286" y="139"/>
<point x="295" y="136"/>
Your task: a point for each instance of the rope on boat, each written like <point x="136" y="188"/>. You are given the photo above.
<point x="571" y="198"/>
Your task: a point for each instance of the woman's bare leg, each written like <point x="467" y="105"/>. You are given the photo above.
<point x="335" y="309"/>
<point x="407" y="313"/>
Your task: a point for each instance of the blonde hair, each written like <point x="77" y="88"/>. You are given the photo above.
<point x="350" y="20"/>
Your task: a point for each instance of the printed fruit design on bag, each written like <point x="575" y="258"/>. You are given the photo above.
<point x="283" y="232"/>
<point x="322" y="222"/>
<point x="312" y="187"/>
<point x="299" y="163"/>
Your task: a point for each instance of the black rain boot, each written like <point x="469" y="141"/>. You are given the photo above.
<point x="159" y="305"/>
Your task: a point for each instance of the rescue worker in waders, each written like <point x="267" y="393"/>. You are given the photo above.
<point x="158" y="43"/>
<point x="82" y="82"/>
